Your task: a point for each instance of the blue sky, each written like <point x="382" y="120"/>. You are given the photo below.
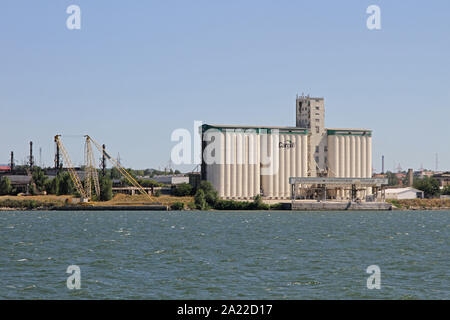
<point x="137" y="70"/>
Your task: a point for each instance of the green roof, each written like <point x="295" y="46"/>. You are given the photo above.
<point x="349" y="132"/>
<point x="237" y="128"/>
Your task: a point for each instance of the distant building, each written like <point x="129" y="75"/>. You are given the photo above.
<point x="256" y="160"/>
<point x="424" y="173"/>
<point x="4" y="168"/>
<point x="403" y="193"/>
<point x="194" y="179"/>
<point x="171" y="179"/>
<point x="20" y="182"/>
<point x="443" y="178"/>
<point x="400" y="175"/>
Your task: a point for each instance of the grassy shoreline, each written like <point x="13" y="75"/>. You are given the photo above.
<point x="420" y="204"/>
<point x="51" y="202"/>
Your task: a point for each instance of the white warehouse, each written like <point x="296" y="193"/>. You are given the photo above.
<point x="244" y="161"/>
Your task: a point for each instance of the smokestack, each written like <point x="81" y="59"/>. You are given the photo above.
<point x="58" y="164"/>
<point x="410" y="177"/>
<point x="12" y="161"/>
<point x="104" y="161"/>
<point x="382" y="164"/>
<point x="31" y="156"/>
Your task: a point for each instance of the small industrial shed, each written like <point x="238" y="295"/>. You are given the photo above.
<point x="171" y="179"/>
<point x="403" y="193"/>
<point x="19" y="182"/>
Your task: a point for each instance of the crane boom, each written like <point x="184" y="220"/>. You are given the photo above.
<point x="73" y="175"/>
<point x="91" y="171"/>
<point x="120" y="168"/>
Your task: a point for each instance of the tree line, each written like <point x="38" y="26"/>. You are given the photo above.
<point x="429" y="185"/>
<point x="61" y="184"/>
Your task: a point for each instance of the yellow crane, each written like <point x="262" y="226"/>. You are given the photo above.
<point x="120" y="168"/>
<point x="73" y="174"/>
<point x="91" y="171"/>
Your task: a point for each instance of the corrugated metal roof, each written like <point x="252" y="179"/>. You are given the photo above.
<point x="19" y="179"/>
<point x="252" y="127"/>
<point x="346" y="129"/>
<point x="400" y="190"/>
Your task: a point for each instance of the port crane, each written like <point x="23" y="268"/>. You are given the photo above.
<point x="91" y="174"/>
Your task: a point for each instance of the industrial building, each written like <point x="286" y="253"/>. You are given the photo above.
<point x="171" y="179"/>
<point x="403" y="193"/>
<point x="244" y="161"/>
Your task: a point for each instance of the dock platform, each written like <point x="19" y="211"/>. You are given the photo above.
<point x="339" y="205"/>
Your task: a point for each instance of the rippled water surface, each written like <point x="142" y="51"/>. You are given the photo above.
<point x="225" y="255"/>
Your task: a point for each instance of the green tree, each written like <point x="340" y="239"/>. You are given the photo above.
<point x="392" y="179"/>
<point x="5" y="186"/>
<point x="446" y="190"/>
<point x="258" y="203"/>
<point x="182" y="190"/>
<point x="65" y="184"/>
<point x="211" y="195"/>
<point x="177" y="206"/>
<point x="105" y="189"/>
<point x="39" y="178"/>
<point x="115" y="173"/>
<point x="429" y="186"/>
<point x="199" y="200"/>
<point x="146" y="183"/>
<point x="139" y="172"/>
<point x="52" y="186"/>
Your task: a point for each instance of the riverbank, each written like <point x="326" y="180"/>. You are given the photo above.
<point x="119" y="202"/>
<point x="420" y="204"/>
<point x="126" y="202"/>
<point x="167" y="202"/>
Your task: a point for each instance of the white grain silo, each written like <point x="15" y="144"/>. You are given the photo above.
<point x="260" y="160"/>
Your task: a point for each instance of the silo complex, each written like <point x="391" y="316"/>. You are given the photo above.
<point x="285" y="156"/>
<point x="244" y="161"/>
<point x="349" y="153"/>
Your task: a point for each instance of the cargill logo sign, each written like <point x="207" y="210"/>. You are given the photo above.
<point x="288" y="144"/>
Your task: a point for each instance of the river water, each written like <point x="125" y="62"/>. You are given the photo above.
<point x="224" y="255"/>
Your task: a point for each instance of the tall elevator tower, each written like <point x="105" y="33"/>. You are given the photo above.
<point x="310" y="114"/>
